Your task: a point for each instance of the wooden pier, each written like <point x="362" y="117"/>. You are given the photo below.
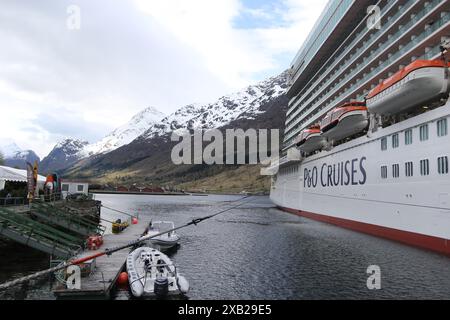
<point x="102" y="280"/>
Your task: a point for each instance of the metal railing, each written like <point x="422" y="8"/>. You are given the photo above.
<point x="310" y="113"/>
<point x="13" y="201"/>
<point x="65" y="219"/>
<point x="25" y="230"/>
<point x="296" y="116"/>
<point x="21" y="201"/>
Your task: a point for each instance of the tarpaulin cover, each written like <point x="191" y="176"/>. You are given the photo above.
<point x="16" y="175"/>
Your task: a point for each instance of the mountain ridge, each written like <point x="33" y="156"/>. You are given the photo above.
<point x="16" y="157"/>
<point x="69" y="150"/>
<point x="147" y="158"/>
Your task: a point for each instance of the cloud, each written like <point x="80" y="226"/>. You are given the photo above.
<point x="237" y="41"/>
<point x="118" y="63"/>
<point x="71" y="125"/>
<point x="132" y="54"/>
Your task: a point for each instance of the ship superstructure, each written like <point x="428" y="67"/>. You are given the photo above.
<point x="368" y="114"/>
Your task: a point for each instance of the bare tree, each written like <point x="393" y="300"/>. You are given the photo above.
<point x="2" y="159"/>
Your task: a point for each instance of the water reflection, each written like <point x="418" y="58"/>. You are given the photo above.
<point x="259" y="252"/>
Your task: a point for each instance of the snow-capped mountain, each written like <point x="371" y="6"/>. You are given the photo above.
<point x="127" y="133"/>
<point x="244" y="104"/>
<point x="64" y="154"/>
<point x="260" y="106"/>
<point x="10" y="150"/>
<point x="130" y="142"/>
<point x="15" y="157"/>
<point x="70" y="151"/>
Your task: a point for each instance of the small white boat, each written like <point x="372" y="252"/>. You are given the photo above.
<point x="421" y="82"/>
<point x="152" y="274"/>
<point x="311" y="140"/>
<point x="166" y="241"/>
<point x="345" y="121"/>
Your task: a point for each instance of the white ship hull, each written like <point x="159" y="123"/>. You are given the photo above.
<point x="345" y="186"/>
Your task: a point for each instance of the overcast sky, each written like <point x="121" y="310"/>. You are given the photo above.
<point x="58" y="82"/>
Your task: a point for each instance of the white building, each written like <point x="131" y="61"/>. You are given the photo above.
<point x="69" y="187"/>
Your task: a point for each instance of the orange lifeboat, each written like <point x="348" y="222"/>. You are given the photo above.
<point x="419" y="83"/>
<point x="345" y="121"/>
<point x="311" y="140"/>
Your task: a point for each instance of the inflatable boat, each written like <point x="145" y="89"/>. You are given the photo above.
<point x="152" y="274"/>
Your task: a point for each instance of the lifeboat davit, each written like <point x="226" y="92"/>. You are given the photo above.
<point x="345" y="121"/>
<point x="311" y="140"/>
<point x="419" y="83"/>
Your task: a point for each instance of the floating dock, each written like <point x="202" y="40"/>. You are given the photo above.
<point x="100" y="283"/>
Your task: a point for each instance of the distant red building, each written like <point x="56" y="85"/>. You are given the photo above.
<point x="153" y="190"/>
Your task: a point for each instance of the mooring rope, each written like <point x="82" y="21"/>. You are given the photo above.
<point x="108" y="221"/>
<point x="119" y="211"/>
<point x="111" y="251"/>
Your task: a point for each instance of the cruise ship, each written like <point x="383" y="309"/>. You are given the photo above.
<point x="366" y="143"/>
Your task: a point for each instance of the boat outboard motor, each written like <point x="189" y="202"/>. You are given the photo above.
<point x="161" y="287"/>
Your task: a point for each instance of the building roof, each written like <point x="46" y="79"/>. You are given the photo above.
<point x="16" y="175"/>
<point x="74" y="181"/>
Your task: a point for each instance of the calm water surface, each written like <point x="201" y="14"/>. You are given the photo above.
<point x="259" y="252"/>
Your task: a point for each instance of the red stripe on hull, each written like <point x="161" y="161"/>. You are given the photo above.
<point x="415" y="239"/>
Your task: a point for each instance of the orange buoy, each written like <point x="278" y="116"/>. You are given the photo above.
<point x="134" y="221"/>
<point x="123" y="279"/>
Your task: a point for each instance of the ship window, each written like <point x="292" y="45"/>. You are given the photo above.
<point x="395" y="141"/>
<point x="65" y="188"/>
<point x="408" y="137"/>
<point x="384" y="144"/>
<point x="442" y="128"/>
<point x="396" y="170"/>
<point x="424" y="133"/>
<point x="425" y="167"/>
<point x="443" y="165"/>
<point x="409" y="169"/>
<point x="384" y="172"/>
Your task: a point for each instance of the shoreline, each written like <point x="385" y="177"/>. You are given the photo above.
<point x="195" y="194"/>
<point x="139" y="193"/>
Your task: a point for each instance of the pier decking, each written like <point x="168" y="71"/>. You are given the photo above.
<point x="18" y="226"/>
<point x="108" y="268"/>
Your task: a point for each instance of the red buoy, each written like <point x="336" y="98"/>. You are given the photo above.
<point x="134" y="221"/>
<point x="123" y="279"/>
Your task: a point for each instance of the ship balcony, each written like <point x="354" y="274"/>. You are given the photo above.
<point x="426" y="39"/>
<point x="403" y="16"/>
<point x="338" y="63"/>
<point x="334" y="25"/>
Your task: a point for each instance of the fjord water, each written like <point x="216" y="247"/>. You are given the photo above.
<point x="259" y="252"/>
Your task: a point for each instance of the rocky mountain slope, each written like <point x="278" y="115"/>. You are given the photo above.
<point x="15" y="157"/>
<point x="63" y="155"/>
<point x="127" y="133"/>
<point x="147" y="158"/>
<point x="70" y="151"/>
<point x="246" y="104"/>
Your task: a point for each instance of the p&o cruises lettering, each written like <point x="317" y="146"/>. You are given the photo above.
<point x="345" y="173"/>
